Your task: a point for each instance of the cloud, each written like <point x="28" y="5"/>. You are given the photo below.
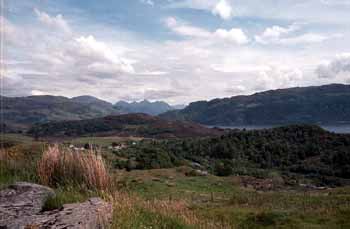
<point x="38" y="92"/>
<point x="274" y="33"/>
<point x="324" y="11"/>
<point x="190" y="62"/>
<point x="236" y="90"/>
<point x="147" y="2"/>
<point x="161" y="94"/>
<point x="100" y="57"/>
<point x="57" y="22"/>
<point x="336" y="2"/>
<point x="234" y="35"/>
<point x="308" y="38"/>
<point x="152" y="94"/>
<point x="66" y="65"/>
<point x="285" y="36"/>
<point x="10" y="33"/>
<point x="186" y="30"/>
<point x="223" y="9"/>
<point x="274" y="77"/>
<point x="331" y="69"/>
<point x="152" y="73"/>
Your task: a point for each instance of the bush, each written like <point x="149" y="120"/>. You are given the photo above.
<point x="223" y="168"/>
<point x="154" y="158"/>
<point x="63" y="166"/>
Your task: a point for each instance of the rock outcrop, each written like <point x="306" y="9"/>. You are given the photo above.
<point x="22" y="200"/>
<point x="21" y="208"/>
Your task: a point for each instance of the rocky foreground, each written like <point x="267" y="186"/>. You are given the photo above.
<point x="21" y="207"/>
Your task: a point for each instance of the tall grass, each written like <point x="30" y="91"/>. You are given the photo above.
<point x="131" y="211"/>
<point x="60" y="166"/>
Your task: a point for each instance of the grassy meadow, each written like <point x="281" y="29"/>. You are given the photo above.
<point x="168" y="198"/>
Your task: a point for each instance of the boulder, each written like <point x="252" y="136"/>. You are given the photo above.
<point x="21" y="204"/>
<point x="21" y="200"/>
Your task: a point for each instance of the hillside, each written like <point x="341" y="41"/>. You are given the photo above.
<point x="22" y="112"/>
<point x="146" y="107"/>
<point x="142" y="125"/>
<point x="329" y="104"/>
<point x="297" y="149"/>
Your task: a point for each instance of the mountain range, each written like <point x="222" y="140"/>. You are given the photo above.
<point x="145" y="106"/>
<point x="20" y="113"/>
<point x="328" y="104"/>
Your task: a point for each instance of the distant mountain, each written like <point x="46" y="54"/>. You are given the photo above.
<point x="96" y="104"/>
<point x="142" y="125"/>
<point x="178" y="107"/>
<point x="22" y="112"/>
<point x="145" y="106"/>
<point x="329" y="104"/>
<point x="87" y="99"/>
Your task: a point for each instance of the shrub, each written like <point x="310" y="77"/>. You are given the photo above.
<point x="223" y="168"/>
<point x="64" y="166"/>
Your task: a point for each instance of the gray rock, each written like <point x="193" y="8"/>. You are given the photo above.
<point x="21" y="206"/>
<point x="22" y="199"/>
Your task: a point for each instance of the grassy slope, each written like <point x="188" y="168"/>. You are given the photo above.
<point x="223" y="200"/>
<point x="101" y="141"/>
<point x="167" y="198"/>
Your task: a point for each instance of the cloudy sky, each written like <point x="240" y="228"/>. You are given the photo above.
<point x="173" y="50"/>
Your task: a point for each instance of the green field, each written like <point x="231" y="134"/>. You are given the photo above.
<point x="101" y="141"/>
<point x="15" y="139"/>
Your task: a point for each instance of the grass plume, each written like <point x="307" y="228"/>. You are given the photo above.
<point x="60" y="166"/>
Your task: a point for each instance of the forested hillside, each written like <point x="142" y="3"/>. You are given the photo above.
<point x="301" y="149"/>
<point x="329" y="104"/>
<point x="142" y="125"/>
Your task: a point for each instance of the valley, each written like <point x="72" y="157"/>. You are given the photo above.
<point x="170" y="172"/>
<point x="166" y="195"/>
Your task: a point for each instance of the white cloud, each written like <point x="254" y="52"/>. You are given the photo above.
<point x="147" y="2"/>
<point x="38" y="92"/>
<point x="274" y="33"/>
<point x="153" y="73"/>
<point x="234" y="35"/>
<point x="57" y="22"/>
<point x="236" y="90"/>
<point x="221" y="8"/>
<point x="286" y="36"/>
<point x="325" y="11"/>
<point x="171" y="22"/>
<point x="336" y="2"/>
<point x="224" y="9"/>
<point x="186" y="30"/>
<point x="274" y="77"/>
<point x="333" y="68"/>
<point x="10" y="33"/>
<point x="308" y="38"/>
<point x="101" y="56"/>
<point x="200" y="63"/>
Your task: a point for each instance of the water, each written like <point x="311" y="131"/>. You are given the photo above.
<point x="340" y="129"/>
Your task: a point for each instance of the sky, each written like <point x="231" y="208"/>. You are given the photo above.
<point x="177" y="51"/>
